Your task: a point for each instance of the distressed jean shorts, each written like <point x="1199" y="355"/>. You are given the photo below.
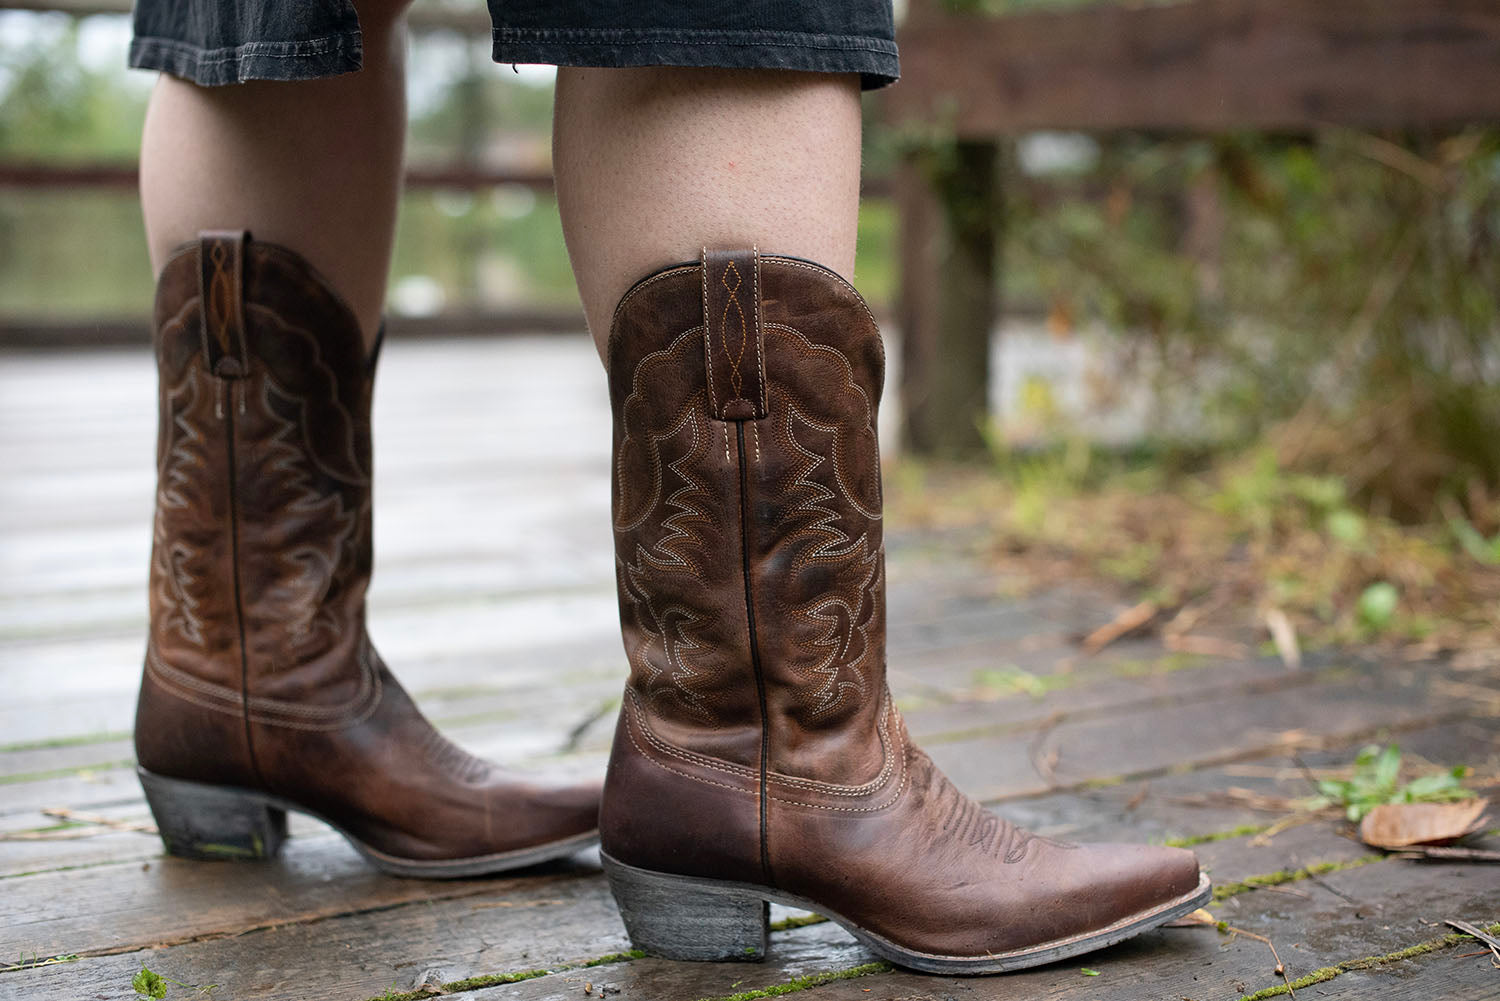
<point x="212" y="42"/>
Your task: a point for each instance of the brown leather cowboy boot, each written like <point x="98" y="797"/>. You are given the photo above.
<point x="758" y="754"/>
<point x="262" y="692"/>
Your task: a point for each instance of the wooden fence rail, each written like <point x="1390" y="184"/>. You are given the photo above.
<point x="1290" y="66"/>
<point x="1192" y="66"/>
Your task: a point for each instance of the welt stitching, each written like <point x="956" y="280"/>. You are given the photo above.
<point x="808" y="785"/>
<point x="184" y="686"/>
<point x="900" y="790"/>
<point x="691" y="757"/>
<point x="329" y="725"/>
<point x="369" y="681"/>
<point x="630" y="732"/>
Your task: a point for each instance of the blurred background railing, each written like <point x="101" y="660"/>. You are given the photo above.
<point x="1203" y="218"/>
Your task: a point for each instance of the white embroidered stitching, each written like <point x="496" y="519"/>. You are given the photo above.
<point x="638" y="390"/>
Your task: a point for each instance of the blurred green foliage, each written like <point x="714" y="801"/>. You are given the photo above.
<point x="1374" y="783"/>
<point x="52" y="107"/>
<point x="1336" y="292"/>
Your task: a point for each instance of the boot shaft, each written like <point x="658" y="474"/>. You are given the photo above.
<point x="261" y="549"/>
<point x="747" y="515"/>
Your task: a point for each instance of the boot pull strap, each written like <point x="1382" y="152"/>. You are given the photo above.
<point x="733" y="343"/>
<point x="221" y="301"/>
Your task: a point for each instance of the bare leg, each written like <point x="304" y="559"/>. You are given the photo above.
<point x="313" y="165"/>
<point x="654" y="163"/>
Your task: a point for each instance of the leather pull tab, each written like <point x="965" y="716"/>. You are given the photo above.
<point x="734" y="347"/>
<point x="221" y="301"/>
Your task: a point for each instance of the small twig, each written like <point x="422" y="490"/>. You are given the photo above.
<point x="1127" y="621"/>
<point x="1205" y="919"/>
<point x="63" y="813"/>
<point x="1483" y="936"/>
<point x="1318" y="881"/>
<point x="575" y="735"/>
<point x="1285" y="823"/>
<point x="1453" y="852"/>
<point x="1307" y="773"/>
<point x="1280" y="966"/>
<point x="87" y="825"/>
<point x="1284" y="635"/>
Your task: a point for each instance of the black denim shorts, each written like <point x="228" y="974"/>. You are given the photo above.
<point x="213" y="42"/>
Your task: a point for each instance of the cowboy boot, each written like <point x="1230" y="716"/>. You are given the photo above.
<point x="261" y="691"/>
<point x="758" y="755"/>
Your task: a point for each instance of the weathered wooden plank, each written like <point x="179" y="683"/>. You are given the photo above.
<point x="1442" y="975"/>
<point x="452" y="939"/>
<point x="1204" y="65"/>
<point x="126" y="907"/>
<point x="1110" y="745"/>
<point x="411" y="937"/>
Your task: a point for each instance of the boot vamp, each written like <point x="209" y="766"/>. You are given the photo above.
<point x="392" y="781"/>
<point x="935" y="872"/>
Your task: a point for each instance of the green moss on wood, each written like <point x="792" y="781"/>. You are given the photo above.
<point x="1243" y="831"/>
<point x="1227" y="890"/>
<point x="1367" y="963"/>
<point x="614" y="957"/>
<point x="498" y="979"/>
<point x="803" y="983"/>
<point x="797" y="921"/>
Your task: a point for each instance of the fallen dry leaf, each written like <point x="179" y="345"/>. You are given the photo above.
<point x="1398" y="825"/>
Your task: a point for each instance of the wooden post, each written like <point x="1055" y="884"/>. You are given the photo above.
<point x="919" y="234"/>
<point x="951" y="210"/>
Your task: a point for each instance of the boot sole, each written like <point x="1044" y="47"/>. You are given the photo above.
<point x="212" y="822"/>
<point x="686" y="917"/>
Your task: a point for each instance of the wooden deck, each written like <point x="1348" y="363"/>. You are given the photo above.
<point x="493" y="600"/>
